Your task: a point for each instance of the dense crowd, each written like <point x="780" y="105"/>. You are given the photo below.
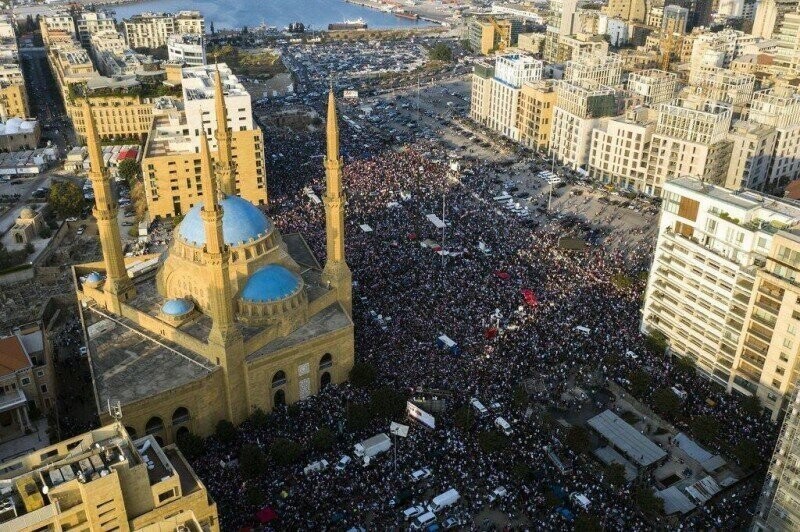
<point x="461" y="295"/>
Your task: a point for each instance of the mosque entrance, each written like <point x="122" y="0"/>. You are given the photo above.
<point x="279" y="399"/>
<point x="324" y="380"/>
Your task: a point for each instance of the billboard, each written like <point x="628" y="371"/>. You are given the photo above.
<point x="418" y="414"/>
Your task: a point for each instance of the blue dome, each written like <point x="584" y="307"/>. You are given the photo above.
<point x="94" y="277"/>
<point x="241" y="221"/>
<point x="177" y="307"/>
<point x="270" y="283"/>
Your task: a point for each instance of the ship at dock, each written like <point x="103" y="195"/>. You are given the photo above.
<point x="403" y="13"/>
<point x="348" y="25"/>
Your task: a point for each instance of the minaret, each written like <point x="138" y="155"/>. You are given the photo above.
<point x="225" y="168"/>
<point x="220" y="302"/>
<point x="118" y="285"/>
<point x="336" y="271"/>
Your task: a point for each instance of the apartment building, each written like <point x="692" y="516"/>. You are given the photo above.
<point x="630" y="10"/>
<point x="91" y="22"/>
<point x="594" y="70"/>
<point x="779" y="107"/>
<point x="488" y="34"/>
<point x="690" y="140"/>
<point x="653" y="86"/>
<point x="152" y="30"/>
<point x="769" y="16"/>
<point x="674" y="19"/>
<point x="13" y="96"/>
<point x="569" y="47"/>
<point x="788" y="44"/>
<point x="620" y="147"/>
<point x="722" y="290"/>
<point x="56" y="24"/>
<point x="577" y="112"/>
<point x="532" y="43"/>
<point x="722" y="85"/>
<point x="104" y="480"/>
<point x="778" y="508"/>
<point x="719" y="48"/>
<point x="188" y="49"/>
<point x="535" y="113"/>
<point x="481" y="92"/>
<point x="752" y="146"/>
<point x="171" y="161"/>
<point x="560" y="20"/>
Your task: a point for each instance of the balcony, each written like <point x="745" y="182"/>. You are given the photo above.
<point x="766" y="338"/>
<point x="772" y="309"/>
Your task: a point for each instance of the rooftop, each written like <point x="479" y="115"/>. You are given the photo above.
<point x="12" y="356"/>
<point x="627" y="439"/>
<point x="198" y="82"/>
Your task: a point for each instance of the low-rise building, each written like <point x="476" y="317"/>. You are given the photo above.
<point x="91" y="22"/>
<point x="103" y="480"/>
<point x="571" y="47"/>
<point x="18" y="134"/>
<point x="490" y="33"/>
<point x="13" y="96"/>
<point x="594" y="70"/>
<point x="188" y="49"/>
<point x="722" y="85"/>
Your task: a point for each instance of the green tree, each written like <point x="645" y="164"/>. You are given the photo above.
<point x="253" y="496"/>
<point x="615" y="474"/>
<point x="522" y="471"/>
<point x="577" y="439"/>
<point x="666" y="402"/>
<point x="621" y="281"/>
<point x="191" y="445"/>
<point x="685" y="365"/>
<point x="387" y="403"/>
<point x="259" y="419"/>
<point x="363" y="375"/>
<point x="463" y="418"/>
<point x="519" y="397"/>
<point x="491" y="441"/>
<point x="129" y="170"/>
<point x="747" y="455"/>
<point x="45" y="232"/>
<point x="322" y="440"/>
<point x="66" y="198"/>
<point x="588" y="523"/>
<point x="752" y="405"/>
<point x="640" y="382"/>
<point x="139" y="201"/>
<point x="225" y="431"/>
<point x="358" y="416"/>
<point x="656" y="342"/>
<point x="705" y="428"/>
<point x="252" y="461"/>
<point x="441" y="52"/>
<point x="647" y="501"/>
<point x="285" y="452"/>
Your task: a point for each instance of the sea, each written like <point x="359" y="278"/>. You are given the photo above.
<point x="235" y="14"/>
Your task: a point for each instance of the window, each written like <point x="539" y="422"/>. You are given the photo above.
<point x="40" y="373"/>
<point x="791" y="329"/>
<point x="166" y="495"/>
<point x="787" y="343"/>
<point x="44" y="388"/>
<point x="25" y="381"/>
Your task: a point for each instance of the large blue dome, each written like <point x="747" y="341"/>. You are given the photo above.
<point x="177" y="307"/>
<point x="241" y="221"/>
<point x="270" y="283"/>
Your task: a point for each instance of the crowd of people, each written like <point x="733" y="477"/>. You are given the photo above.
<point x="462" y="295"/>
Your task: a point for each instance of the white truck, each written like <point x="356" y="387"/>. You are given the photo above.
<point x="372" y="447"/>
<point x="444" y="500"/>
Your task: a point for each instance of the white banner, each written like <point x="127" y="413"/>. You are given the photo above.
<point x="350" y="95"/>
<point x="415" y="412"/>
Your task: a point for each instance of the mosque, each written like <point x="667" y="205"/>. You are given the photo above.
<point x="232" y="317"/>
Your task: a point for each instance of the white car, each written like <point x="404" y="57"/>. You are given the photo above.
<point x="83" y="351"/>
<point x="414" y="511"/>
<point x="498" y="493"/>
<point x="342" y="463"/>
<point x="420" y="474"/>
<point x="72" y="219"/>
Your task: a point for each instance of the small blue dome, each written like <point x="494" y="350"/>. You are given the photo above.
<point x="270" y="283"/>
<point x="241" y="221"/>
<point x="94" y="277"/>
<point x="177" y="307"/>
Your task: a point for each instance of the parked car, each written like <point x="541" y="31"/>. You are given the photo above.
<point x="414" y="511"/>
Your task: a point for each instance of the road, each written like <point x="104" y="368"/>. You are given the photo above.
<point x="45" y="100"/>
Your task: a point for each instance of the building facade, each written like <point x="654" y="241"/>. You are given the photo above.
<point x="188" y="49"/>
<point x="577" y="112"/>
<point x="152" y="30"/>
<point x="779" y="107"/>
<point x="653" y="86"/>
<point x="535" y="114"/>
<point x="619" y="150"/>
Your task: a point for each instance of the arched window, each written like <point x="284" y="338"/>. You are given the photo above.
<point x="181" y="415"/>
<point x="279" y="379"/>
<point x="154" y="425"/>
<point x="326" y="361"/>
<point x="324" y="380"/>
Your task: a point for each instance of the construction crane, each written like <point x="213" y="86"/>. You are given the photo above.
<point x="668" y="46"/>
<point x="501" y="45"/>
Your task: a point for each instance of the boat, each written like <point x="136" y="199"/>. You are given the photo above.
<point x="357" y="24"/>
<point x="403" y="13"/>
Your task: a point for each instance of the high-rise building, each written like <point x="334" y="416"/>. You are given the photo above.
<point x="629" y="10"/>
<point x="171" y="164"/>
<point x="779" y="107"/>
<point x="578" y="111"/>
<point x="778" y="508"/>
<point x="594" y="70"/>
<point x="653" y="86"/>
<point x="91" y="22"/>
<point x="535" y="115"/>
<point x="152" y="30"/>
<point x="787" y="56"/>
<point x="237" y="315"/>
<point x="721" y="85"/>
<point x="104" y="480"/>
<point x="721" y="288"/>
<point x="559" y="24"/>
<point x="752" y="148"/>
<point x="569" y="47"/>
<point x="619" y="149"/>
<point x="769" y="16"/>
<point x="690" y="140"/>
<point x="675" y="19"/>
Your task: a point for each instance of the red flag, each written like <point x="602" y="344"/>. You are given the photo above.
<point x="500" y="274"/>
<point x="490" y="333"/>
<point x="530" y="297"/>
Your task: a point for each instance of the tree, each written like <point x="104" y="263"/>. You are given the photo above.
<point x="66" y="198"/>
<point x="463" y="418"/>
<point x="519" y="397"/>
<point x="705" y="428"/>
<point x="358" y="416"/>
<point x="577" y="439"/>
<point x="129" y="170"/>
<point x="191" y="445"/>
<point x="363" y="375"/>
<point x="752" y="405"/>
<point x="139" y="200"/>
<point x="747" y="455"/>
<point x="440" y="52"/>
<point x="685" y="365"/>
<point x="387" y="403"/>
<point x="666" y="402"/>
<point x="322" y="440"/>
<point x="225" y="431"/>
<point x="253" y="496"/>
<point x="615" y="474"/>
<point x="588" y="523"/>
<point x="285" y="452"/>
<point x="656" y="341"/>
<point x="647" y="501"/>
<point x="45" y="232"/>
<point x="640" y="382"/>
<point x="259" y="419"/>
<point x="522" y="472"/>
<point x="212" y="28"/>
<point x="491" y="441"/>
<point x="621" y="281"/>
<point x="252" y="461"/>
